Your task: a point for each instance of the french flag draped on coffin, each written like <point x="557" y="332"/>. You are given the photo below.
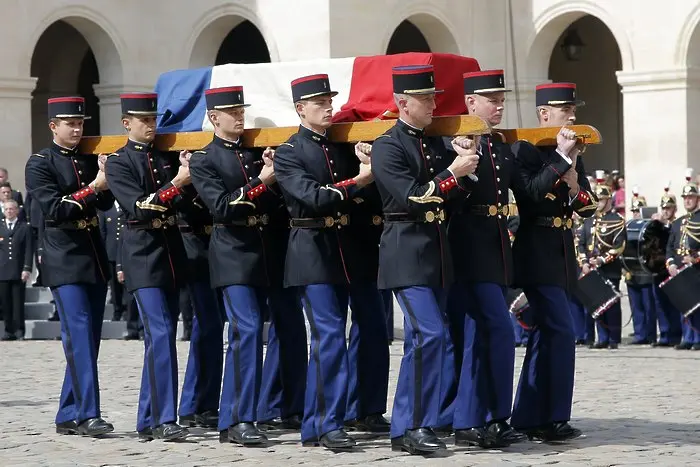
<point x="363" y="83"/>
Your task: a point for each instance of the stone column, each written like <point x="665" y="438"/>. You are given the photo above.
<point x="660" y="114"/>
<point x="16" y="122"/>
<point x="110" y="105"/>
<point x="522" y="97"/>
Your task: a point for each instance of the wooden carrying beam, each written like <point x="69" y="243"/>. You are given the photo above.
<point x="340" y="133"/>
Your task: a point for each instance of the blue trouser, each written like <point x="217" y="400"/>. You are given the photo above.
<point x="609" y="325"/>
<point x="200" y="389"/>
<point x="485" y="390"/>
<point x="284" y="370"/>
<point x="691" y="329"/>
<point x="670" y="331"/>
<point x="546" y="386"/>
<point x="368" y="353"/>
<point x="325" y="401"/>
<point x="584" y="324"/>
<point x="643" y="307"/>
<point x="427" y="368"/>
<point x="81" y="310"/>
<point x="158" y="395"/>
<point x="244" y="355"/>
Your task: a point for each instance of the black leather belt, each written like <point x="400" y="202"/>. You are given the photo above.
<point x="250" y="221"/>
<point x="319" y="222"/>
<point x="197" y="230"/>
<point x="489" y="210"/>
<point x="153" y="224"/>
<point x="430" y="216"/>
<point x="80" y="224"/>
<point x="555" y="222"/>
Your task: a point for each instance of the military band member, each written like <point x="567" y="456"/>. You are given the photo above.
<point x="584" y="325"/>
<point x="199" y="400"/>
<point x="326" y="260"/>
<point x="640" y="290"/>
<point x="415" y="176"/>
<point x="555" y="186"/>
<point x="683" y="249"/>
<point x="69" y="188"/>
<point x="235" y="185"/>
<point x="150" y="186"/>
<point x="480" y="245"/>
<point x="111" y="226"/>
<point x="668" y="317"/>
<point x="603" y="241"/>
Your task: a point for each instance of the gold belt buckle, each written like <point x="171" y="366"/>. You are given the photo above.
<point x="505" y="210"/>
<point x="94" y="222"/>
<point x="430" y="216"/>
<point x="557" y="222"/>
<point x="328" y="221"/>
<point x="441" y="216"/>
<point x="493" y="210"/>
<point x="81" y="224"/>
<point x="344" y="220"/>
<point x="569" y="223"/>
<point x="156" y="223"/>
<point x="376" y="220"/>
<point x="208" y="229"/>
<point x="252" y="221"/>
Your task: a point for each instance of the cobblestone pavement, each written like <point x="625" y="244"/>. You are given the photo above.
<point x="636" y="406"/>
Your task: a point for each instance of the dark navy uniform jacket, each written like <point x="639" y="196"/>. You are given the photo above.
<point x="315" y="177"/>
<point x="605" y="236"/>
<point x="683" y="239"/>
<point x="57" y="179"/>
<point x="196" y="227"/>
<point x="411" y="174"/>
<point x="226" y="178"/>
<point x="153" y="254"/>
<point x="16" y="250"/>
<point x="478" y="227"/>
<point x="545" y="255"/>
<point x="112" y="228"/>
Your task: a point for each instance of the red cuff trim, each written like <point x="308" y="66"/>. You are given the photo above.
<point x="257" y="191"/>
<point x="583" y="197"/>
<point x="83" y="193"/>
<point x="167" y="195"/>
<point x="348" y="182"/>
<point x="555" y="170"/>
<point x="447" y="185"/>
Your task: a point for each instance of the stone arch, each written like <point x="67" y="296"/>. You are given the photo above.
<point x="551" y="24"/>
<point x="435" y="28"/>
<point x="688" y="50"/>
<point x="214" y="26"/>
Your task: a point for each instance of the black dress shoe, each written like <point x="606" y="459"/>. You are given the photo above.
<point x="8" y="337"/>
<point x="443" y="431"/>
<point x="170" y="432"/>
<point x="94" y="427"/>
<point x="130" y="336"/>
<point x="696" y="346"/>
<point x="500" y="432"/>
<point x="293" y="422"/>
<point x="598" y="345"/>
<point x="471" y="437"/>
<point x="146" y="434"/>
<point x="683" y="346"/>
<point x="559" y="431"/>
<point x="613" y="345"/>
<point x="117" y="316"/>
<point x="418" y="441"/>
<point x="640" y="342"/>
<point x="245" y="434"/>
<point x="375" y="423"/>
<point x="67" y="428"/>
<point x="661" y="344"/>
<point x="580" y="342"/>
<point x="207" y="419"/>
<point x="337" y="440"/>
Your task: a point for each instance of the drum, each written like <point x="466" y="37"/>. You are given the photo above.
<point x="645" y="248"/>
<point x="596" y="293"/>
<point x="683" y="290"/>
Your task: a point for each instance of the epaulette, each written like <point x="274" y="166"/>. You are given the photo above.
<point x="39" y="155"/>
<point x="388" y="136"/>
<point x="113" y="154"/>
<point x="500" y="135"/>
<point x="199" y="152"/>
<point x="287" y="144"/>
